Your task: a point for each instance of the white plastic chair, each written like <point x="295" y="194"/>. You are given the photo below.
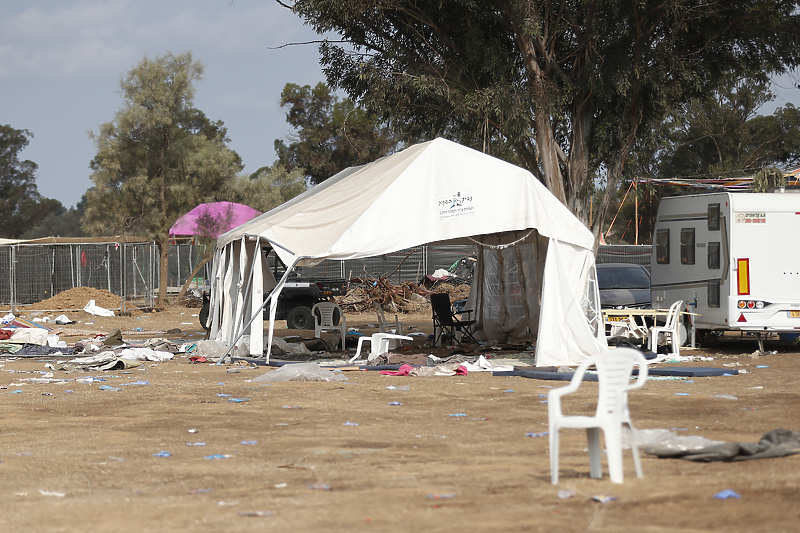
<point x="385" y="326"/>
<point x="614" y="368"/>
<point x="627" y="328"/>
<point x="669" y="330"/>
<point x="379" y="345"/>
<point x="323" y="319"/>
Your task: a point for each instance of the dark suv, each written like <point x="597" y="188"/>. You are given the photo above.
<point x="623" y="285"/>
<point x="300" y="293"/>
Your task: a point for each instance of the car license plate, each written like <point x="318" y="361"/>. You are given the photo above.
<point x="619" y="318"/>
<point x="794" y="314"/>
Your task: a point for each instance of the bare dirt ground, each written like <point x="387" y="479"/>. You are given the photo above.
<point x="78" y="458"/>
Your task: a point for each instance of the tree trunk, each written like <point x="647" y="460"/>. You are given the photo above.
<point x="188" y="281"/>
<point x="163" y="274"/>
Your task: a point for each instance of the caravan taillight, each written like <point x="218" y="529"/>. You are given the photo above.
<point x="743" y="275"/>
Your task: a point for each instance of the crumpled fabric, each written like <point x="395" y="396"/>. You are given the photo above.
<point x="96" y="310"/>
<point x="144" y="354"/>
<point x="774" y="443"/>
<point x="453" y="369"/>
<point x="102" y="361"/>
<point x="29" y="336"/>
<point x="160" y="344"/>
<point x="37" y="350"/>
<point x="483" y="365"/>
<point x="114" y="338"/>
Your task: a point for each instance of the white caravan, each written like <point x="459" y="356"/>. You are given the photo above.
<point x="733" y="257"/>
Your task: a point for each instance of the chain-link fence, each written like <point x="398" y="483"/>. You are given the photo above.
<point x="410" y="264"/>
<point x="30" y="273"/>
<point x="625" y="253"/>
<point x="35" y="272"/>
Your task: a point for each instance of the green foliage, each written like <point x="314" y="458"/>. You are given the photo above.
<point x="568" y="86"/>
<point x="766" y="179"/>
<point x="60" y="223"/>
<point x="265" y="189"/>
<point x="159" y="157"/>
<point x="720" y="134"/>
<point x="21" y="205"/>
<point x="332" y="134"/>
<point x="715" y="135"/>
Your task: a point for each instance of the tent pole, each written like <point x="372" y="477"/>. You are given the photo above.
<point x="249" y="278"/>
<point x="272" y="296"/>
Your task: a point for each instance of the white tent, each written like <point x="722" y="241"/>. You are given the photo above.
<point x="434" y="192"/>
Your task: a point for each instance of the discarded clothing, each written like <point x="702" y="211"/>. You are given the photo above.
<point x="453" y="369"/>
<point x="775" y="443"/>
<point x="38" y="350"/>
<point x="404" y="370"/>
<point x="160" y="344"/>
<point x="114" y="338"/>
<point x="411" y="359"/>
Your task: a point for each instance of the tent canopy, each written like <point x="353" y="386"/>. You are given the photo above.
<point x="212" y="219"/>
<point x="437" y="191"/>
<point x="431" y="192"/>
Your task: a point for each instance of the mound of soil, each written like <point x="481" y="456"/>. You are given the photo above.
<point x="77" y="298"/>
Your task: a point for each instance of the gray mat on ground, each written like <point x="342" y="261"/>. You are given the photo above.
<point x="775" y="443"/>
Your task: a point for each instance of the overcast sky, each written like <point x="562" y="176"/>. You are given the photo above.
<point x="61" y="62"/>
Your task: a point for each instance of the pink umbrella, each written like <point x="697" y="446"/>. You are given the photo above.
<point x="212" y="220"/>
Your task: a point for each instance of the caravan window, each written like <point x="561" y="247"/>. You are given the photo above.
<point x="713" y="217"/>
<point x="713" y="293"/>
<point x="713" y="255"/>
<point x="687" y="246"/>
<point x="662" y="246"/>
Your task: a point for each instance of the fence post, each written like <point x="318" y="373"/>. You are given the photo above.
<point x="72" y="265"/>
<point x="424" y="261"/>
<point x="122" y="288"/>
<point x="13" y="278"/>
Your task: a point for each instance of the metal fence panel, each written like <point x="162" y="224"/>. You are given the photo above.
<point x="625" y="253"/>
<point x="30" y="273"/>
<point x="35" y="272"/>
<point x="411" y="264"/>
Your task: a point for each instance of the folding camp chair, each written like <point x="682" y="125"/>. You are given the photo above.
<point x="445" y="323"/>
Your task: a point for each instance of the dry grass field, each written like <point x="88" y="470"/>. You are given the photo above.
<point x="336" y="456"/>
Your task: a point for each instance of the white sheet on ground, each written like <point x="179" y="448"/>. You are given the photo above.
<point x="144" y="354"/>
<point x="94" y="309"/>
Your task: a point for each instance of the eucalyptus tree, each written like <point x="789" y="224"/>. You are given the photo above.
<point x="563" y="88"/>
<point x="21" y="205"/>
<point x="158" y="158"/>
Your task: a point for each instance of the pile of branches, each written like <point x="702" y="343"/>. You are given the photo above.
<point x="404" y="298"/>
<point x="396" y="298"/>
